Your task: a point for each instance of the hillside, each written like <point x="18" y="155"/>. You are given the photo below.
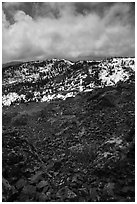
<point x="52" y="79"/>
<point x="69" y="131"/>
<point x="13" y="63"/>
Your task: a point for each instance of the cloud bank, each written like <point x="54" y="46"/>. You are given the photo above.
<point x="67" y="30"/>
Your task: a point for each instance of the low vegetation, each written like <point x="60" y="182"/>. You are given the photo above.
<point x="80" y="149"/>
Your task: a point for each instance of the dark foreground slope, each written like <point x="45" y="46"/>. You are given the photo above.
<point x="80" y="149"/>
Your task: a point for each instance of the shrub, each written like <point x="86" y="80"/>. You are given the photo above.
<point x="83" y="153"/>
<point x="7" y="117"/>
<point x="20" y="119"/>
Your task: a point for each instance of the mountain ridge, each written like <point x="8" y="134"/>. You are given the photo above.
<point x="11" y="63"/>
<point x="47" y="80"/>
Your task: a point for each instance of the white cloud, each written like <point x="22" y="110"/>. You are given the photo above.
<point x="69" y="36"/>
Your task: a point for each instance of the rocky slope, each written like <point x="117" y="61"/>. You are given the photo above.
<point x="80" y="148"/>
<point x="52" y="79"/>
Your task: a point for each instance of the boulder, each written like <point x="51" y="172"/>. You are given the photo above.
<point x="66" y="193"/>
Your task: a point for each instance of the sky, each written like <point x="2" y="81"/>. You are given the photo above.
<point x="70" y="30"/>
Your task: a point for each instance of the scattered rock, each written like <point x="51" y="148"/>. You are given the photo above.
<point x="42" y="184"/>
<point x="77" y="152"/>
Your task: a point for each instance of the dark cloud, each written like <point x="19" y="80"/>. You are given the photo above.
<point x="69" y="30"/>
<point x="94" y="7"/>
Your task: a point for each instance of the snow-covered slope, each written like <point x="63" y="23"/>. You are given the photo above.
<point x="60" y="79"/>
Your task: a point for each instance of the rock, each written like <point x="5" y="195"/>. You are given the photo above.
<point x="77" y="179"/>
<point x="70" y="194"/>
<point x="42" y="197"/>
<point x="83" y="191"/>
<point x="109" y="189"/>
<point x="93" y="194"/>
<point x="50" y="166"/>
<point x="29" y="190"/>
<point x="82" y="133"/>
<point x="74" y="185"/>
<point x="131" y="134"/>
<point x="65" y="192"/>
<point x="45" y="189"/>
<point x="48" y="195"/>
<point x="6" y="190"/>
<point x="5" y="184"/>
<point x="14" y="158"/>
<point x="23" y="197"/>
<point x="13" y="195"/>
<point x="57" y="165"/>
<point x="56" y="173"/>
<point x="128" y="189"/>
<point x="35" y="178"/>
<point x="20" y="183"/>
<point x="82" y="199"/>
<point x="42" y="184"/>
